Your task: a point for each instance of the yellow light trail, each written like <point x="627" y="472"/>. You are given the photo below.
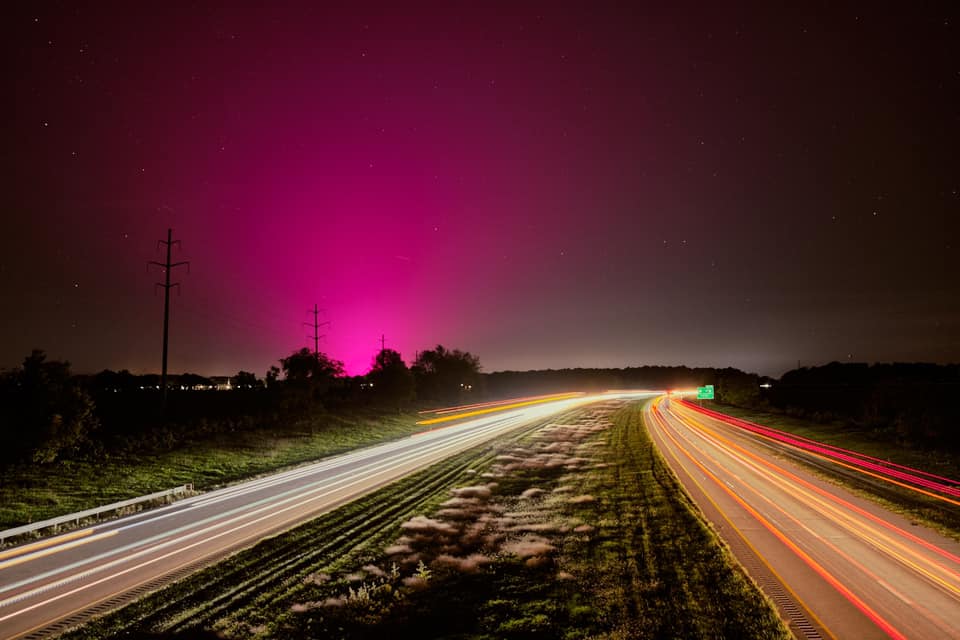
<point x="50" y="550"/>
<point x="35" y="546"/>
<point x="516" y="405"/>
<point x="491" y="403"/>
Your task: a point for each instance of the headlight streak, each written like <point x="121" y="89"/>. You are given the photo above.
<point x="295" y="495"/>
<point x="371" y="467"/>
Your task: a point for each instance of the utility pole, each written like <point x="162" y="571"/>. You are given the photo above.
<point x="316" y="329"/>
<point x="383" y="343"/>
<point x="166" y="284"/>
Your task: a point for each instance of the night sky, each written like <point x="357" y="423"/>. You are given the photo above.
<point x="546" y="187"/>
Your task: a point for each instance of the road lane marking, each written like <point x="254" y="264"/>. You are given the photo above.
<point x="885" y="585"/>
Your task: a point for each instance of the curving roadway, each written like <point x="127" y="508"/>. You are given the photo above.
<point x="836" y="565"/>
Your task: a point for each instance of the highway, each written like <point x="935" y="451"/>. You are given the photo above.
<point x="49" y="585"/>
<point x="836" y="565"/>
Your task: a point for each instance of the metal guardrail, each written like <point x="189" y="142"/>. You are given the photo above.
<point x="80" y="515"/>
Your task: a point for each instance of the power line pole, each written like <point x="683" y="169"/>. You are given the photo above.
<point x="383" y="343"/>
<point x="166" y="284"/>
<point x="316" y="329"/>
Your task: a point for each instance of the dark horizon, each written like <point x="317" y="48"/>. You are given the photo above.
<point x="486" y="371"/>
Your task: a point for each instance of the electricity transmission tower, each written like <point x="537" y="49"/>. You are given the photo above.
<point x="316" y="324"/>
<point x="167" y="285"/>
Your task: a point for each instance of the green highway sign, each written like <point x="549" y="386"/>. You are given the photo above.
<point x="705" y="393"/>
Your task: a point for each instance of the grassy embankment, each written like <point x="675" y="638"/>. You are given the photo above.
<point x="879" y="444"/>
<point x="29" y="493"/>
<point x="571" y="529"/>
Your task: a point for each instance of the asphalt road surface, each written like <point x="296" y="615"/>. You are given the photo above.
<point x="51" y="584"/>
<point x="837" y="565"/>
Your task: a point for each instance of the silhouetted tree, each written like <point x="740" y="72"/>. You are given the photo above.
<point x="737" y="388"/>
<point x="307" y="378"/>
<point x="115" y="381"/>
<point x="246" y="380"/>
<point x="391" y="380"/>
<point x="912" y="401"/>
<point x="443" y="375"/>
<point x="303" y="367"/>
<point x="47" y="415"/>
<point x="194" y="381"/>
<point x="272" y="378"/>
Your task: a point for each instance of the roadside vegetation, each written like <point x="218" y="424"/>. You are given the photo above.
<point x="30" y="492"/>
<point x="70" y="442"/>
<point x="573" y="528"/>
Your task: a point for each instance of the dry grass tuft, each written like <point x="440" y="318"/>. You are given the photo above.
<point x="334" y="602"/>
<point x="471" y="564"/>
<point x="398" y="549"/>
<point x="529" y="545"/>
<point x="460" y="502"/>
<point x="456" y="514"/>
<point x="582" y="499"/>
<point x="538" y="527"/>
<point x="479" y="491"/>
<point x="415" y="582"/>
<point x="425" y="525"/>
<point x="317" y="578"/>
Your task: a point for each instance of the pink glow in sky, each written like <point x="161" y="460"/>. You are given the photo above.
<point x="544" y="187"/>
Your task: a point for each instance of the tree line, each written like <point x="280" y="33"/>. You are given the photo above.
<point x="48" y="413"/>
<point x="914" y="403"/>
